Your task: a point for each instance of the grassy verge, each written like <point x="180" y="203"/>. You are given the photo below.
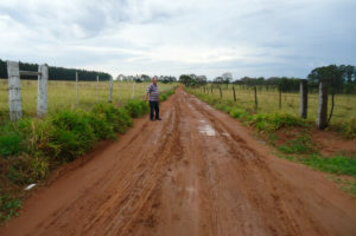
<point x="291" y="136"/>
<point x="31" y="148"/>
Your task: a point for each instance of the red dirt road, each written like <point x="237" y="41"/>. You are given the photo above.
<point x="196" y="172"/>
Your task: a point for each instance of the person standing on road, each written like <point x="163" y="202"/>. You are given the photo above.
<point x="153" y="98"/>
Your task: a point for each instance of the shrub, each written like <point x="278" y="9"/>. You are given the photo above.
<point x="10" y="144"/>
<point x="136" y="108"/>
<point x="72" y="134"/>
<point x="238" y="113"/>
<point x="273" y="122"/>
<point x="26" y="169"/>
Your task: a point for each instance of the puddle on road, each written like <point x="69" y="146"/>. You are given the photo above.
<point x="207" y="130"/>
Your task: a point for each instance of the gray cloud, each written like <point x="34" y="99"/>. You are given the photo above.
<point x="255" y="38"/>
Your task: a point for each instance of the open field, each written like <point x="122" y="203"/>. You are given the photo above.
<point x="268" y="101"/>
<point x="62" y="94"/>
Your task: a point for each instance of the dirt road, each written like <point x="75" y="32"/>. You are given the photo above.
<point x="196" y="172"/>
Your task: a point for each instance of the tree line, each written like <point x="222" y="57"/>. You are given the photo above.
<point x="341" y="79"/>
<point x="56" y="73"/>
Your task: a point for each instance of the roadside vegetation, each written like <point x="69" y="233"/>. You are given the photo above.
<point x="292" y="138"/>
<point x="31" y="148"/>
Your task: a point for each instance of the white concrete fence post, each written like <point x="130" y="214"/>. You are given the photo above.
<point x="42" y="90"/>
<point x="15" y="102"/>
<point x="110" y="89"/>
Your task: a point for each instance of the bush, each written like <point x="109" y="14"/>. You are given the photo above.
<point x="273" y="122"/>
<point x="10" y="144"/>
<point x="238" y="113"/>
<point x="136" y="108"/>
<point x="25" y="169"/>
<point x="72" y="134"/>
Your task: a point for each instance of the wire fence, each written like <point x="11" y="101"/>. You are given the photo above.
<point x="271" y="100"/>
<point x="63" y="94"/>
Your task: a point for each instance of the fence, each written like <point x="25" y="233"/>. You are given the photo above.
<point x="18" y="97"/>
<point x="270" y="99"/>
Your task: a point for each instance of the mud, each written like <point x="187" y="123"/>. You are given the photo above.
<point x="172" y="177"/>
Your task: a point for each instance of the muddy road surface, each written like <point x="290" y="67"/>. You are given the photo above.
<point x="196" y="172"/>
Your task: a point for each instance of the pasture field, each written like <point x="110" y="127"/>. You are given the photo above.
<point x="268" y="102"/>
<point x="62" y="94"/>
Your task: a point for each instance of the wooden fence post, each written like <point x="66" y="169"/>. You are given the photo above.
<point x="133" y="89"/>
<point x="42" y="90"/>
<point x="256" y="102"/>
<point x="321" y="120"/>
<point x="76" y="89"/>
<point x="234" y="93"/>
<point x="220" y="91"/>
<point x="15" y="105"/>
<point x="303" y="98"/>
<point x="97" y="88"/>
<point x="110" y="89"/>
<point x="211" y="89"/>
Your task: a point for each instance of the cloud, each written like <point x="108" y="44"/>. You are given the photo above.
<point x="255" y="38"/>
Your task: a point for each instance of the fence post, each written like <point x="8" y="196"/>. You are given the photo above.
<point x="15" y="105"/>
<point x="233" y="91"/>
<point x="133" y="89"/>
<point x="280" y="97"/>
<point x="110" y="89"/>
<point x="256" y="102"/>
<point x="76" y="88"/>
<point x="321" y="120"/>
<point x="211" y="89"/>
<point x="220" y="91"/>
<point x="303" y="98"/>
<point x="42" y="90"/>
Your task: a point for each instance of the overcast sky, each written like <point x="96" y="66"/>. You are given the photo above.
<point x="245" y="37"/>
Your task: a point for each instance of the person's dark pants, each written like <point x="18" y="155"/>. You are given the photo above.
<point x="154" y="107"/>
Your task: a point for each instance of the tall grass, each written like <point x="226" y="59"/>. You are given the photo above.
<point x="62" y="95"/>
<point x="268" y="101"/>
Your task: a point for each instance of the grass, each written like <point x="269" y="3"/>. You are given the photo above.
<point x="31" y="148"/>
<point x="343" y="120"/>
<point x="62" y="95"/>
<point x="276" y="127"/>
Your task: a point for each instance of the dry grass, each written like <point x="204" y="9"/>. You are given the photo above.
<point x="268" y="102"/>
<point x="62" y="94"/>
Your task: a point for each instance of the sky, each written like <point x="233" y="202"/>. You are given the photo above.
<point x="161" y="37"/>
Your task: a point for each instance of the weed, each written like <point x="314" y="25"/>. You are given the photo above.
<point x="300" y="145"/>
<point x="340" y="165"/>
<point x="8" y="207"/>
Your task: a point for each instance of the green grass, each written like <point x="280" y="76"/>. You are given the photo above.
<point x="339" y="165"/>
<point x="300" y="145"/>
<point x="8" y="207"/>
<point x="343" y="120"/>
<point x="269" y="120"/>
<point x="31" y="148"/>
